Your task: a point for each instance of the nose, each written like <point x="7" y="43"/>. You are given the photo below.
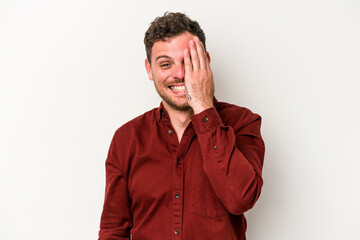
<point x="179" y="71"/>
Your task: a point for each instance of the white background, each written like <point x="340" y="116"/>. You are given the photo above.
<point x="72" y="72"/>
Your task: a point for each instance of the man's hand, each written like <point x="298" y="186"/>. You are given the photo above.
<point x="199" y="81"/>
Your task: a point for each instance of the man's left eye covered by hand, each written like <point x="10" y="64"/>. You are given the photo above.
<point x="199" y="81"/>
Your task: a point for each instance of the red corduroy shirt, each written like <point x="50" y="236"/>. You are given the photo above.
<point x="160" y="189"/>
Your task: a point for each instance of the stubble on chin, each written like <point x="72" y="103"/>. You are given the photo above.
<point x="178" y="107"/>
<point x="182" y="108"/>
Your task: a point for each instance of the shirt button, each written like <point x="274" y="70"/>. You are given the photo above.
<point x="177" y="195"/>
<point x="206" y="119"/>
<point x="170" y="132"/>
<point x="214" y="147"/>
<point x="178" y="161"/>
<point x="176" y="232"/>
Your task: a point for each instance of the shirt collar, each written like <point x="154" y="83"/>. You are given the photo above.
<point x="161" y="112"/>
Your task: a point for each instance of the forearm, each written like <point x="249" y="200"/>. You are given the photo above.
<point x="116" y="220"/>
<point x="232" y="162"/>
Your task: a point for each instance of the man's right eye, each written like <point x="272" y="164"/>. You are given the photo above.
<point x="165" y="65"/>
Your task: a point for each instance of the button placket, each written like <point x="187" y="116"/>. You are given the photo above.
<point x="177" y="192"/>
<point x="178" y="181"/>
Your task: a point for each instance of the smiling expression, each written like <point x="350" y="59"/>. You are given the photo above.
<point x="168" y="72"/>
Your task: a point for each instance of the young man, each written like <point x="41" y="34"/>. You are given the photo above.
<point x="190" y="168"/>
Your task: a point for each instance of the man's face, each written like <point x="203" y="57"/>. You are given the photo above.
<point x="167" y="70"/>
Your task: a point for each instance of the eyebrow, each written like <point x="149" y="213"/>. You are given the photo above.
<point x="162" y="56"/>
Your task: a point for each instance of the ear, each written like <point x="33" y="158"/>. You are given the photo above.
<point x="208" y="56"/>
<point x="148" y="69"/>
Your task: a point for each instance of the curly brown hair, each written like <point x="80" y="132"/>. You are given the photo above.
<point x="170" y="25"/>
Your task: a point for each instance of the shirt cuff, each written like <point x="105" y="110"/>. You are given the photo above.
<point x="206" y="120"/>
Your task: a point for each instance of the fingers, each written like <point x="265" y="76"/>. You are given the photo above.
<point x="194" y="55"/>
<point x="201" y="53"/>
<point x="195" y="58"/>
<point x="187" y="61"/>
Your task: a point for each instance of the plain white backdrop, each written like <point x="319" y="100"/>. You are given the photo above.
<point x="72" y="72"/>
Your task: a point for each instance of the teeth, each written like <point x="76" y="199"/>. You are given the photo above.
<point x="178" y="88"/>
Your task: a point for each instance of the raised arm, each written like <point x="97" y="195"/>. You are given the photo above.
<point x="232" y="154"/>
<point x="232" y="159"/>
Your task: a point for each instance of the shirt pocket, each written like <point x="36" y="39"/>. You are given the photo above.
<point x="204" y="201"/>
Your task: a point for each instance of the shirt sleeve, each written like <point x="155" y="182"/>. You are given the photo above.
<point x="232" y="159"/>
<point x="116" y="220"/>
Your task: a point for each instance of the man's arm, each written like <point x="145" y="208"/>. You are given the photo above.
<point x="232" y="159"/>
<point x="116" y="220"/>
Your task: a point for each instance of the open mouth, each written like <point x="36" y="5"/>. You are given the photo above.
<point x="177" y="88"/>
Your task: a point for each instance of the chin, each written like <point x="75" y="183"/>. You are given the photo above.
<point x="178" y="107"/>
<point x="179" y="103"/>
<point x="183" y="108"/>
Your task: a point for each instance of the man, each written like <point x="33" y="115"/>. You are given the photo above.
<point x="190" y="168"/>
